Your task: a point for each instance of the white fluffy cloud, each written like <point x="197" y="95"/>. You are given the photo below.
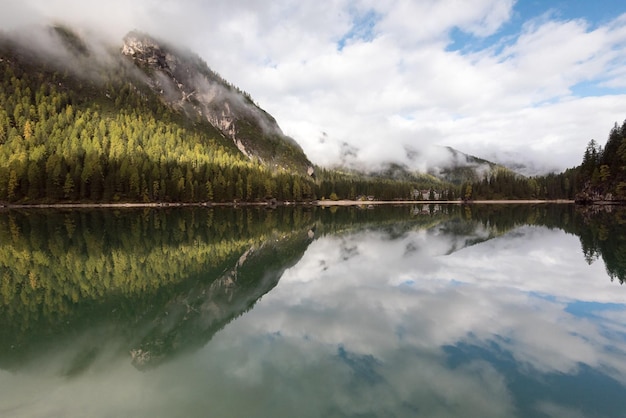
<point x="362" y="324"/>
<point x="379" y="76"/>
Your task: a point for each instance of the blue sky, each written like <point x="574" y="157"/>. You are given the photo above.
<point x="363" y="28"/>
<point x="523" y="81"/>
<point x="534" y="12"/>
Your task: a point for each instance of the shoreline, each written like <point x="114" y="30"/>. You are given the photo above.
<point x="436" y="202"/>
<point x="321" y="203"/>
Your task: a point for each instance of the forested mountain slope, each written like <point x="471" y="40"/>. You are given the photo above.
<point x="187" y="83"/>
<point x="80" y="122"/>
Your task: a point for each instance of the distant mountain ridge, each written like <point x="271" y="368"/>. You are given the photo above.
<point x="436" y="164"/>
<point x="465" y="167"/>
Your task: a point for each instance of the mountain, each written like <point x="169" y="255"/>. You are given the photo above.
<point x="460" y="167"/>
<point x="185" y="82"/>
<point x="435" y="165"/>
<point x="84" y="120"/>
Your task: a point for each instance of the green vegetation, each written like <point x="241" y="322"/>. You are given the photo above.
<point x="334" y="185"/>
<point x="186" y="83"/>
<point x="604" y="236"/>
<point x="148" y="269"/>
<point x="600" y="177"/>
<point x="602" y="174"/>
<point x="505" y="184"/>
<point x="63" y="139"/>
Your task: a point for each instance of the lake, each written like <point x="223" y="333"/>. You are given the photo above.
<point x="408" y="311"/>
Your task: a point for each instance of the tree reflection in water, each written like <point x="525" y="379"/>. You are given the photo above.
<point x="165" y="281"/>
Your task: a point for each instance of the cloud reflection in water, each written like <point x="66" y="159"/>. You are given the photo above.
<point x="500" y="310"/>
<point x="453" y="320"/>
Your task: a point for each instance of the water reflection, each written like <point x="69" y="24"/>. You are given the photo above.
<point x="423" y="311"/>
<point x="154" y="282"/>
<point x="518" y="325"/>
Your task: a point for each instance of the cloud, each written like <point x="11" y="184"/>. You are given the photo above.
<point x="359" y="325"/>
<point x="488" y="77"/>
<point x="441" y="299"/>
<point x="368" y="331"/>
<point x="411" y="21"/>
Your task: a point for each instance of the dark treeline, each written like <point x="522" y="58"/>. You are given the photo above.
<point x="600" y="228"/>
<point x="602" y="173"/>
<point x="332" y="184"/>
<point x="506" y="184"/>
<point x="600" y="176"/>
<point x="602" y="233"/>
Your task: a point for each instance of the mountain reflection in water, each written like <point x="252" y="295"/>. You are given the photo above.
<point x="425" y="310"/>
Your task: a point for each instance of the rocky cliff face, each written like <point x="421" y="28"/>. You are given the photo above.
<point x="597" y="194"/>
<point x="185" y="82"/>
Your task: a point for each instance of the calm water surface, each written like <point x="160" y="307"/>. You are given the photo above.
<point x="434" y="311"/>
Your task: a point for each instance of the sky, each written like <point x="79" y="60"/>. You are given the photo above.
<point x="414" y="300"/>
<point x="523" y="81"/>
